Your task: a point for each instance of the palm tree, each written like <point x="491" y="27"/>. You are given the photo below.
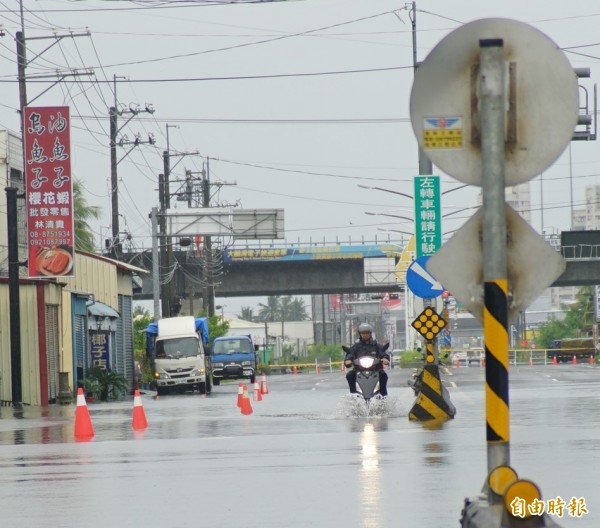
<point x="297" y="310"/>
<point x="82" y="214"/>
<point x="246" y="314"/>
<point x="282" y="309"/>
<point x="271" y="311"/>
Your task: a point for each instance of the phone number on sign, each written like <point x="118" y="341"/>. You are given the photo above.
<point x="48" y="242"/>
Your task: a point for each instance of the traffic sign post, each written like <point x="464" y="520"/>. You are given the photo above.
<point x="433" y="401"/>
<point x="422" y="284"/>
<point x="503" y="82"/>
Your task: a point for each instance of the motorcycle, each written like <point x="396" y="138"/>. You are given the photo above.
<point x="367" y="375"/>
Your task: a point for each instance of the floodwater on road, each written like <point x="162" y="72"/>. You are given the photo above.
<point x="306" y="456"/>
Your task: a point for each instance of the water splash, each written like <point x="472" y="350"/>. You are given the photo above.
<point x="352" y="405"/>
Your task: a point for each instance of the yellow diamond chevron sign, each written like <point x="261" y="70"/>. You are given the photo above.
<point x="428" y="323"/>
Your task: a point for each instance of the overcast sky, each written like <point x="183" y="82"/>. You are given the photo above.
<point x="294" y="102"/>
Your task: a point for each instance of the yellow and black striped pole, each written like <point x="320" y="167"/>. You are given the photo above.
<point x="495" y="326"/>
<point x="495" y="310"/>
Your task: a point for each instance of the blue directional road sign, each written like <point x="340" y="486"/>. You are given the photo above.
<point x="420" y="281"/>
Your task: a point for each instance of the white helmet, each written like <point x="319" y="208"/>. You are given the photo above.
<point x="365" y="327"/>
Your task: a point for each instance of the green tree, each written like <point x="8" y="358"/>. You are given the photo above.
<point x="216" y="326"/>
<point x="298" y="310"/>
<point x="271" y="311"/>
<point x="141" y="319"/>
<point x="246" y="314"/>
<point x="286" y="308"/>
<point x="577" y="322"/>
<point x="82" y="215"/>
<point x="282" y="309"/>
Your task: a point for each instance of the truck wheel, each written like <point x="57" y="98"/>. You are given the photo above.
<point x="202" y="388"/>
<point x="161" y="391"/>
<point x="208" y="385"/>
<point x="216" y="382"/>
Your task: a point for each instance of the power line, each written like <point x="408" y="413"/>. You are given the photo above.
<point x="237" y="77"/>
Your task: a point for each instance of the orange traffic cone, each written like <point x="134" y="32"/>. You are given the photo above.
<point x="84" y="430"/>
<point x="554" y="361"/>
<point x="257" y="394"/>
<point x="246" y="405"/>
<point x="574" y="359"/>
<point x="591" y="359"/>
<point x="240" y="394"/>
<point x="295" y="370"/>
<point x="263" y="386"/>
<point x="139" y="421"/>
<point x="456" y="362"/>
<point x="530" y="361"/>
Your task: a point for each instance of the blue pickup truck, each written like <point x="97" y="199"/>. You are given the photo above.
<point x="233" y="357"/>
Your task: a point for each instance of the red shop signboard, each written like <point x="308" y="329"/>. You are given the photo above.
<point x="49" y="191"/>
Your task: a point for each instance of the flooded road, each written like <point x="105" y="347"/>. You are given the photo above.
<point x="304" y="457"/>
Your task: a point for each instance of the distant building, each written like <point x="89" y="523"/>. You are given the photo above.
<point x="586" y="218"/>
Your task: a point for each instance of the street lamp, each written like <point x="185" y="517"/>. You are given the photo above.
<point x="448" y="191"/>
<point x="391" y="215"/>
<point x="386" y="190"/>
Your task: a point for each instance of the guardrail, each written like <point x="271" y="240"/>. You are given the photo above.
<point x="581" y="252"/>
<point x="518" y="356"/>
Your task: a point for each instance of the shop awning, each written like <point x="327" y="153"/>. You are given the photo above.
<point x="99" y="309"/>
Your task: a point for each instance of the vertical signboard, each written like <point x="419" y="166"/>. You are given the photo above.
<point x="428" y="230"/>
<point x="100" y="349"/>
<point x="49" y="191"/>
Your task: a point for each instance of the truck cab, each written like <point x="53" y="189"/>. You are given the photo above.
<point x="179" y="360"/>
<point x="233" y="357"/>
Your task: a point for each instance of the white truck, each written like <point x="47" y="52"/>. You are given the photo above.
<point x="176" y="347"/>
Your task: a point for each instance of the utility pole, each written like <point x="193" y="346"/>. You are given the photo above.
<point x="21" y="63"/>
<point x="115" y="247"/>
<point x="168" y="290"/>
<point x="14" y="299"/>
<point x="12" y="210"/>
<point x="165" y="298"/>
<point x="168" y="245"/>
<point x="425" y="166"/>
<point x="155" y="264"/>
<point x="209" y="291"/>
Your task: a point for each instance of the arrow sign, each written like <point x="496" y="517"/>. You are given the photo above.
<point x="420" y="281"/>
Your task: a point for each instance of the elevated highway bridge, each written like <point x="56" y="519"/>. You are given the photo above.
<point x="330" y="268"/>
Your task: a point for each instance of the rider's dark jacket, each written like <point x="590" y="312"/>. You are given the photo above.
<point x="369" y="348"/>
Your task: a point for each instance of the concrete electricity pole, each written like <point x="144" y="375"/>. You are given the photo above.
<point x="115" y="247"/>
<point x="209" y="291"/>
<point x="12" y="208"/>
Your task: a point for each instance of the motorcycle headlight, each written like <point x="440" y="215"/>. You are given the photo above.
<point x="366" y="362"/>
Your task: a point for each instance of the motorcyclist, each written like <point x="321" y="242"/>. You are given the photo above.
<point x="366" y="346"/>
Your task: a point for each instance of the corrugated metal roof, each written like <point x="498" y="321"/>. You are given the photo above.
<point x="117" y="263"/>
